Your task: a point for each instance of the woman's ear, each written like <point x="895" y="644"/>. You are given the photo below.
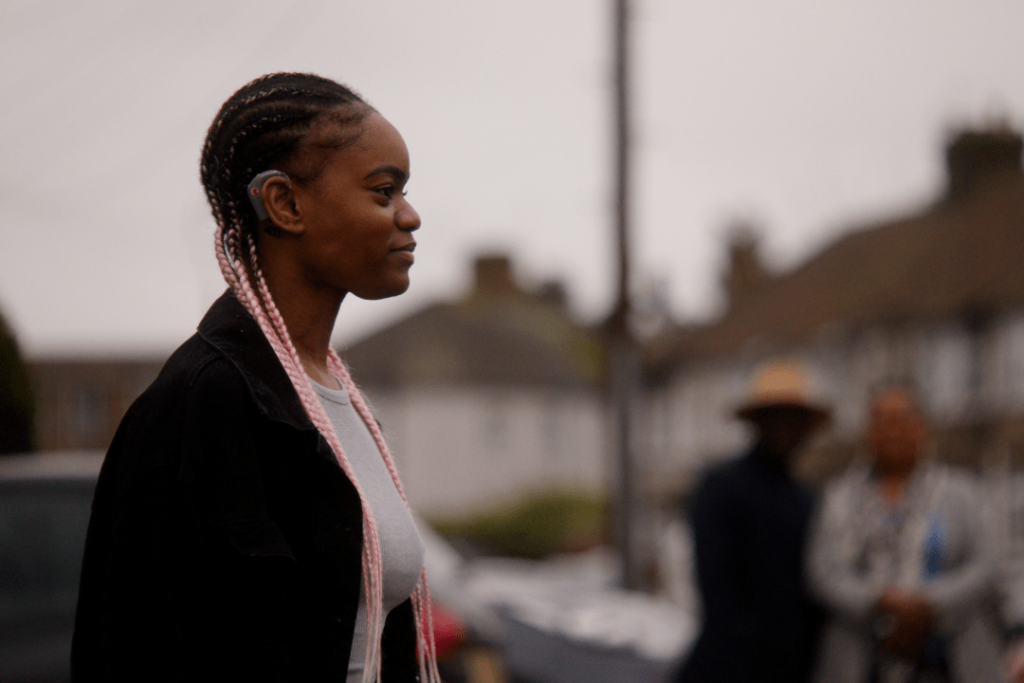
<point x="280" y="203"/>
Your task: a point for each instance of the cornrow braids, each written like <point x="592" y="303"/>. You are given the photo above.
<point x="267" y="124"/>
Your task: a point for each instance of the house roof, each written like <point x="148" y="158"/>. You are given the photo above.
<point x="961" y="257"/>
<point x="497" y="337"/>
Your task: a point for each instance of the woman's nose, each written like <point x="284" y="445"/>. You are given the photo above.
<point x="408" y="218"/>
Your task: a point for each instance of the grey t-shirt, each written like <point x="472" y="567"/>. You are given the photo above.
<point x="400" y="542"/>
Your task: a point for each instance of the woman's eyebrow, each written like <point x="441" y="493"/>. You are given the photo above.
<point x="394" y="171"/>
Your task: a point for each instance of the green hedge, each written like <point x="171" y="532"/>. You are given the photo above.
<point x="533" y="527"/>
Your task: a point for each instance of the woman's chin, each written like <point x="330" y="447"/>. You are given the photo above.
<point x="399" y="286"/>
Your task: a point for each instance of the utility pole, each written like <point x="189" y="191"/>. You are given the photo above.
<point x="623" y="355"/>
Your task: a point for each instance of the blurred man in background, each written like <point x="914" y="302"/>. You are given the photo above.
<point x="750" y="519"/>
<point x="901" y="556"/>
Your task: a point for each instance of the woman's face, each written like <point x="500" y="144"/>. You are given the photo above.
<point x="897" y="431"/>
<point x="357" y="223"/>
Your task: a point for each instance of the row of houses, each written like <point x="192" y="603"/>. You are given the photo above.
<point x="502" y="391"/>
<point x="935" y="297"/>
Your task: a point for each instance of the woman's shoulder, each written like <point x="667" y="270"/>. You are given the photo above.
<point x="195" y="391"/>
<point x="196" y="382"/>
<point x="955" y="485"/>
<point x="194" y="369"/>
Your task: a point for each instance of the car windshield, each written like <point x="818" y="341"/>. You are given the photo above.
<point x="42" y="536"/>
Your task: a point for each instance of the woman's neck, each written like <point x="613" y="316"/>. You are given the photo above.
<point x="309" y="314"/>
<point x="892" y="483"/>
<point x="892" y="488"/>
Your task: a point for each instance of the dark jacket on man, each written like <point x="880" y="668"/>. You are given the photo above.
<point x="225" y="540"/>
<point x="750" y="522"/>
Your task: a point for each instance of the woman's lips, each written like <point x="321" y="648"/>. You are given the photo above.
<point x="405" y="252"/>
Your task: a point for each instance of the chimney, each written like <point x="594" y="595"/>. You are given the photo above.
<point x="746" y="275"/>
<point x="494" y="275"/>
<point x="553" y="293"/>
<point x="974" y="157"/>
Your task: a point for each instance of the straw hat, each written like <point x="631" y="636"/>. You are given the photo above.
<point x="781" y="385"/>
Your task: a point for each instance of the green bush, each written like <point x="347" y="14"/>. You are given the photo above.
<point x="532" y="528"/>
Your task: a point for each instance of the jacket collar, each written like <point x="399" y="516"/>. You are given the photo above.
<point x="229" y="328"/>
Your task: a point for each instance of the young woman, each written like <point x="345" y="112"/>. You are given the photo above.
<point x="249" y="523"/>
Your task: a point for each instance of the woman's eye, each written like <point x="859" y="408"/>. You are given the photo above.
<point x="389" y="191"/>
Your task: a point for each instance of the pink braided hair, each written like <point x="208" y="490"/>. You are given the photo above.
<point x="421" y="595"/>
<point x="250" y="288"/>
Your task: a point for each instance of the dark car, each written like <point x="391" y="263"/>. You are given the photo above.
<point x="44" y="512"/>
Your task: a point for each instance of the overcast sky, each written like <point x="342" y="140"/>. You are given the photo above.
<point x="807" y="117"/>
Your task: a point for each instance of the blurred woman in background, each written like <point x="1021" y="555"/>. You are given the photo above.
<point x="902" y="558"/>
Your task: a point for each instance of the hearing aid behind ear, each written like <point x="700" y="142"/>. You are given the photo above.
<point x="255" y="190"/>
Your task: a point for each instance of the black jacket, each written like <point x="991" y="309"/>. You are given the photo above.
<point x="225" y="540"/>
<point x="750" y="524"/>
